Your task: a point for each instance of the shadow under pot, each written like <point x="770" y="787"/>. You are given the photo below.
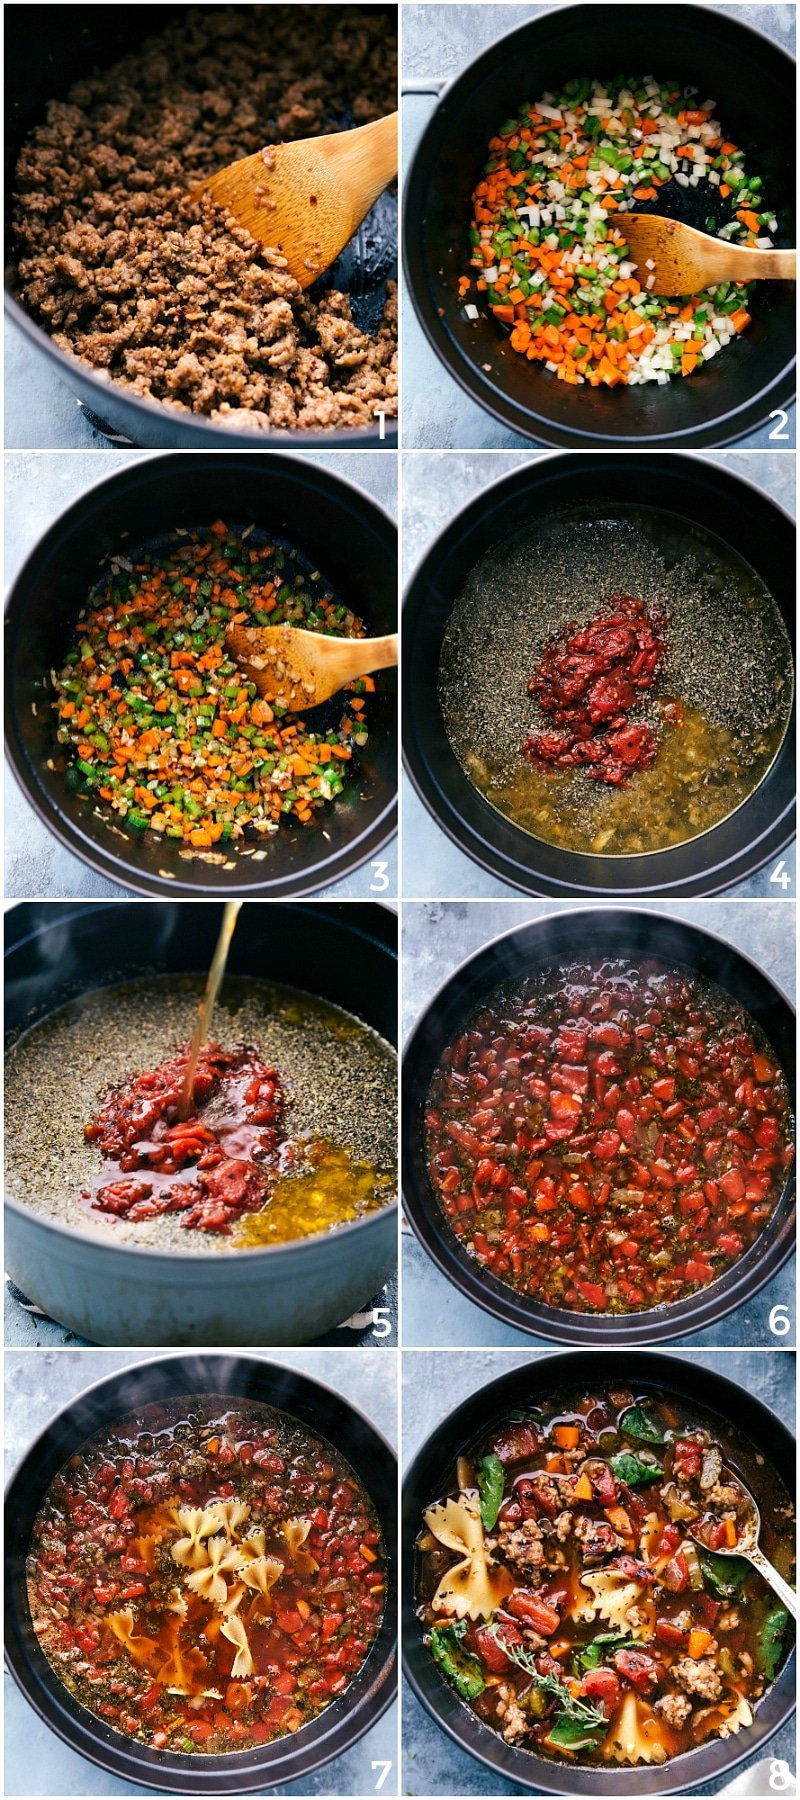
<point x="46" y="56"/>
<point x="221" y="1384"/>
<point x="755" y="1444"/>
<point x="698" y="561"/>
<point x="96" y="993"/>
<point x="752" y="82"/>
<point x="647" y="1217"/>
<point x="345" y="548"/>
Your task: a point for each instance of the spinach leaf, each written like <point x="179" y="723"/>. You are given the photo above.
<point x="770" y="1640"/>
<point x="633" y="1471"/>
<point x="638" y="1424"/>
<point x="463" y="1671"/>
<point x="570" y="1735"/>
<point x="724" y="1574"/>
<point x="491" y="1482"/>
<point x="595" y="1653"/>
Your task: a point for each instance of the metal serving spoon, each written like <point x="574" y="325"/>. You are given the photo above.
<point x="749" y="1548"/>
<point x="685" y="260"/>
<point x="307" y="199"/>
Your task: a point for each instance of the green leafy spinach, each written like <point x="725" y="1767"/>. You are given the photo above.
<point x="491" y="1482"/>
<point x="463" y="1671"/>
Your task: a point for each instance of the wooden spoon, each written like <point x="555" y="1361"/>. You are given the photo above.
<point x="686" y="261"/>
<point x="307" y="199"/>
<point x="302" y="668"/>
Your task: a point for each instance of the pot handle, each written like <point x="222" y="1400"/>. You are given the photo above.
<point x="427" y="84"/>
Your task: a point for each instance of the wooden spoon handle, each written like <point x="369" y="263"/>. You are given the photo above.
<point x="366" y="654"/>
<point x="366" y="161"/>
<point x="743" y="264"/>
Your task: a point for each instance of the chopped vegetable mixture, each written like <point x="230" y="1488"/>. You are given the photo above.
<point x="163" y="726"/>
<point x="549" y="254"/>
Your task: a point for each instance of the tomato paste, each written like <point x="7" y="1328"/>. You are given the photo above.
<point x="230" y="1140"/>
<point x="587" y="681"/>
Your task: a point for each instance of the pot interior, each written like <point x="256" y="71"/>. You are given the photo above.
<point x="538" y="1378"/>
<point x="752" y="83"/>
<point x="46" y="54"/>
<point x="543" y="943"/>
<point x="692" y="490"/>
<point x="121" y="976"/>
<point x="346" y="537"/>
<point x="325" y="1413"/>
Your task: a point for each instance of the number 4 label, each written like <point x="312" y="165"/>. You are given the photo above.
<point x="780" y="875"/>
<point x="385" y="1769"/>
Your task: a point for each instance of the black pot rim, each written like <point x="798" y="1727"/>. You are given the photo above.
<point x="157" y="416"/>
<point x="728" y="427"/>
<point x="110" y="863"/>
<point x="760" y="850"/>
<point x="266" y="1255"/>
<point x="659" y="1325"/>
<point x="247" y="1770"/>
<point x="545" y="1776"/>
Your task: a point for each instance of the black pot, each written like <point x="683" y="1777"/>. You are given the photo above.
<point x="110" y="1293"/>
<point x="538" y="1378"/>
<point x="47" y="50"/>
<point x="753" y="83"/>
<point x="550" y="940"/>
<point x="349" y="537"/>
<point x="694" y="489"/>
<point x="241" y="1772"/>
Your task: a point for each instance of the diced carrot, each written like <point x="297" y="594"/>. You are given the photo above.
<point x="566" y="1436"/>
<point x="698" y="1643"/>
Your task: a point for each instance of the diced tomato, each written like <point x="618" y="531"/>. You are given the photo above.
<point x="535" y="1612"/>
<point x="637" y="1668"/>
<point x="602" y="1687"/>
<point x="490" y="1652"/>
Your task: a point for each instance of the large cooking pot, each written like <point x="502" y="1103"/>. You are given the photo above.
<point x="535" y="1380"/>
<point x="692" y="488"/>
<point x="548" y="941"/>
<point x="240" y="1772"/>
<point x="47" y="51"/>
<point x="285" y="1294"/>
<point x="350" y="539"/>
<point x="753" y="83"/>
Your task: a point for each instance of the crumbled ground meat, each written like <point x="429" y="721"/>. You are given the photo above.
<point x="675" y="1709"/>
<point x="171" y="298"/>
<point x="728" y="1620"/>
<point x="596" y="1537"/>
<point x="563" y="1525"/>
<point x="514" y="1722"/>
<point x="725" y="1496"/>
<point x="522" y="1547"/>
<point x="698" y="1677"/>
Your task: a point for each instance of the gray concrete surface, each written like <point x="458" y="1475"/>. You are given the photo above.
<point x="36" y="1387"/>
<point x="439" y="41"/>
<point x="438" y="937"/>
<point x="437" y="484"/>
<point x="433" y="1385"/>
<point x="38" y="486"/>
